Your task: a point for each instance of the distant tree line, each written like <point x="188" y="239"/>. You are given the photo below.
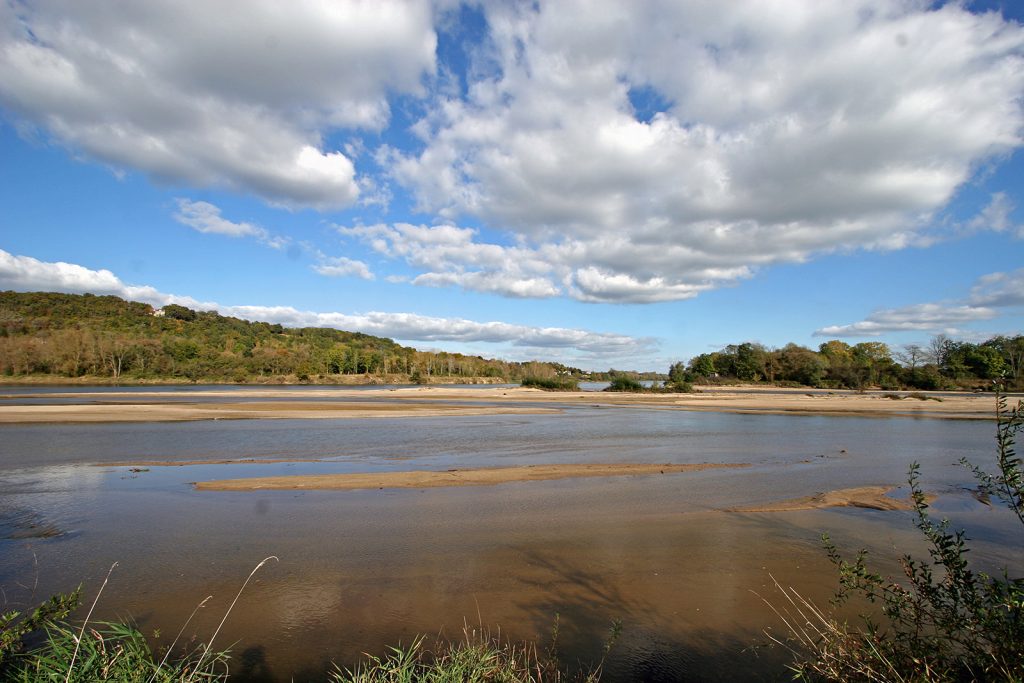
<point x="942" y="364"/>
<point x="87" y="336"/>
<point x="79" y="336"/>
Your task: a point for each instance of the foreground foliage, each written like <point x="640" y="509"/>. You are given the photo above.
<point x="474" y="659"/>
<point x="120" y="653"/>
<point x="477" y="657"/>
<point x="944" y="621"/>
<point x="15" y="625"/>
<point x="110" y="652"/>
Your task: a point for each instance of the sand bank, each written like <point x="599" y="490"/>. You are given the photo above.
<point x="869" y="497"/>
<point x="267" y="403"/>
<point x="432" y="479"/>
<point x="173" y="412"/>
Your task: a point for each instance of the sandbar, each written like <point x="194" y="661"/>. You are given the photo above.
<point x="264" y="410"/>
<point x="868" y="497"/>
<point x="333" y="403"/>
<point x="419" y="479"/>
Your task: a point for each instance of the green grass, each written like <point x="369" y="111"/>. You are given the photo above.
<point x="478" y="657"/>
<point x="120" y="653"/>
<point x="102" y="652"/>
<point x="473" y="659"/>
<point x="109" y="652"/>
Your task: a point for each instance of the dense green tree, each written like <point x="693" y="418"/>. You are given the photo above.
<point x="703" y="365"/>
<point x="801" y="365"/>
<point x="178" y="312"/>
<point x="677" y="373"/>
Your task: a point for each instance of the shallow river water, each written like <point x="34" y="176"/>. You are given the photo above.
<point x="359" y="570"/>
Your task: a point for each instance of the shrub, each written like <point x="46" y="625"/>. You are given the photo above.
<point x="551" y="383"/>
<point x="623" y="383"/>
<point x="944" y="621"/>
<point x="15" y="625"/>
<point x="681" y="387"/>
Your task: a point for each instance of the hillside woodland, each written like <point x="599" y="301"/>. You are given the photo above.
<point x="82" y="337"/>
<point x="76" y="337"/>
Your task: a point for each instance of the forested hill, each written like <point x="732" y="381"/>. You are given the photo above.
<point x="85" y="336"/>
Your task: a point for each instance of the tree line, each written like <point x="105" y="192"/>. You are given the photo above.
<point x="87" y="336"/>
<point x="942" y="364"/>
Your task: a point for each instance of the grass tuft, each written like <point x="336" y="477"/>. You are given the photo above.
<point x="477" y="657"/>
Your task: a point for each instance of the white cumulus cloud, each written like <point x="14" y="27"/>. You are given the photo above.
<point x="774" y="135"/>
<point x="206" y="218"/>
<point x="342" y="266"/>
<point x="991" y="295"/>
<point x="237" y="95"/>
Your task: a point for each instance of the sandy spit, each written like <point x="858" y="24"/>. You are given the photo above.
<point x="869" y="497"/>
<point x="173" y="412"/>
<point x="431" y="479"/>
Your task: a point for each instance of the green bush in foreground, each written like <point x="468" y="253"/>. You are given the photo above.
<point x="16" y="625"/>
<point x="944" y="621"/>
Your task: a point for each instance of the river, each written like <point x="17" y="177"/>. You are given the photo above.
<point x="359" y="570"/>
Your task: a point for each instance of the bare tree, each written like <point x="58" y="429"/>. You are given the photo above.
<point x="910" y="356"/>
<point x="115" y="352"/>
<point x="937" y="349"/>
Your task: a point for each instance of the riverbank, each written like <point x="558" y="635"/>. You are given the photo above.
<point x="336" y="403"/>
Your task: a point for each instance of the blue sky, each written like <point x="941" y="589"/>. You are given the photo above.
<point x="606" y="184"/>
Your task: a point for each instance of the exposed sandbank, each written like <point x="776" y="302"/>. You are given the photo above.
<point x="466" y="477"/>
<point x="175" y="412"/>
<point x="145" y="406"/>
<point x="869" y="497"/>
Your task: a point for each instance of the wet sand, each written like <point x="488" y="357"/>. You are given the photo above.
<point x="867" y="497"/>
<point x="460" y="477"/>
<point x="211" y="461"/>
<point x="142" y="406"/>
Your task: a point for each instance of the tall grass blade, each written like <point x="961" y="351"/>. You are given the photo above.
<point x="206" y="651"/>
<point x="78" y="640"/>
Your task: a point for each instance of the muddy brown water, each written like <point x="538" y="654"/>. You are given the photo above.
<point x="360" y="570"/>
